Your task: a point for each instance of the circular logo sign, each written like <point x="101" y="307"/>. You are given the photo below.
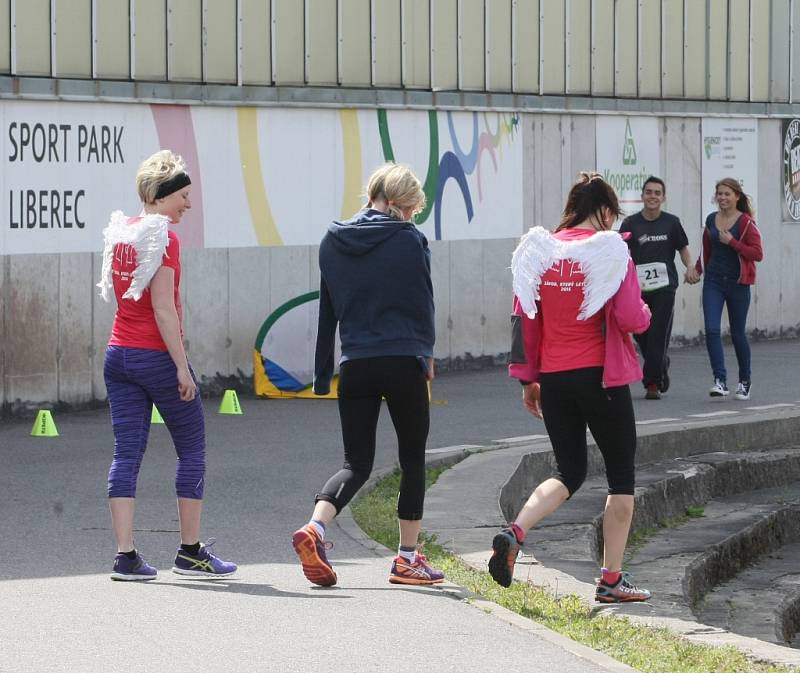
<point x="791" y="168"/>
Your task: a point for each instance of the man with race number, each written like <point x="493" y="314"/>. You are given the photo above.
<point x="654" y="237"/>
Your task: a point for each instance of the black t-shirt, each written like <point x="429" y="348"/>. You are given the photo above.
<point x="656" y="241"/>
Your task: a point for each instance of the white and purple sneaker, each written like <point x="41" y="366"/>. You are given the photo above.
<point x="132" y="570"/>
<point x="204" y="564"/>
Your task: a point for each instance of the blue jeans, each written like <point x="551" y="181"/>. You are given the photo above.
<point x="717" y="291"/>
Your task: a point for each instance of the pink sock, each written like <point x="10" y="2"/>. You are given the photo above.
<point x="519" y="532"/>
<point x="609" y="577"/>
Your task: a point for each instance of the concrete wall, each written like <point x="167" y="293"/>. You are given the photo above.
<point x="53" y="325"/>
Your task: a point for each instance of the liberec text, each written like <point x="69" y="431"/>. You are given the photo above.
<point x="45" y="209"/>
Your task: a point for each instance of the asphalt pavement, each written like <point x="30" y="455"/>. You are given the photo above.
<point x="61" y="612"/>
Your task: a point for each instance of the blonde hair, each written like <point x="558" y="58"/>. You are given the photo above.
<point x="743" y="202"/>
<point x="156" y="170"/>
<point x="398" y="186"/>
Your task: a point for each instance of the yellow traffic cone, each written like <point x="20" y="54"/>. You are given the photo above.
<point x="44" y="426"/>
<point x="230" y="403"/>
<point x="155" y="416"/>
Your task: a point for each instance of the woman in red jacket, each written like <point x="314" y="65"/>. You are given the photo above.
<point x="577" y="298"/>
<point x="731" y="248"/>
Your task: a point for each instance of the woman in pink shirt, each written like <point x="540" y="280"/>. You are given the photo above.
<point x="577" y="299"/>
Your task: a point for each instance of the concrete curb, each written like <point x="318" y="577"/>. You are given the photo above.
<point x="769" y="430"/>
<point x="349" y="527"/>
<point x="773" y="429"/>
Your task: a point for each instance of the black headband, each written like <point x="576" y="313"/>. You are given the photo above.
<point x="172" y="185"/>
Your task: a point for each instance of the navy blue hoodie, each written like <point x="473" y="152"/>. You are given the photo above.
<point x="376" y="284"/>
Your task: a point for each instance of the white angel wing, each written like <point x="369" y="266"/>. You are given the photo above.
<point x="604" y="260"/>
<point x="536" y="252"/>
<point x="149" y="238"/>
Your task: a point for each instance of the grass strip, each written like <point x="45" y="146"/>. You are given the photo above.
<point x="648" y="649"/>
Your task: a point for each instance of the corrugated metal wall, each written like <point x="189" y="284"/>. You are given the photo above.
<point x="730" y="50"/>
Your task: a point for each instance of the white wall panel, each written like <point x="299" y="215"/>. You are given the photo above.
<point x="416" y="44"/>
<point x="552" y="53"/>
<point x="498" y="46"/>
<point x="73" y="38"/>
<point x="626" y="47"/>
<point x="672" y="23"/>
<point x="221" y="25"/>
<point x="603" y="40"/>
<point x="354" y="54"/>
<point x="739" y="49"/>
<point x="112" y="39"/>
<point x="579" y="46"/>
<point x="150" y="39"/>
<point x="471" y="45"/>
<point x="321" y="41"/>
<point x="386" y="50"/>
<point x="695" y="49"/>
<point x="185" y="35"/>
<point x="650" y="35"/>
<point x="525" y="18"/>
<point x="288" y="42"/>
<point x="32" y="37"/>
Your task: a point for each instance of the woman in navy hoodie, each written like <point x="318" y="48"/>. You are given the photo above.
<point x="376" y="285"/>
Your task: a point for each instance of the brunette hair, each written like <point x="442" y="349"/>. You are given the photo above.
<point x="588" y="195"/>
<point x="398" y="186"/>
<point x="743" y="202"/>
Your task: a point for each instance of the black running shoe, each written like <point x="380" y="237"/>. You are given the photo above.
<point x="504" y="555"/>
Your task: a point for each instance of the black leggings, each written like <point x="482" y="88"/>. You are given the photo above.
<point x="362" y="384"/>
<point x="572" y="400"/>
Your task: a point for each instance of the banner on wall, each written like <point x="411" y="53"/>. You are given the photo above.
<point x="791" y="170"/>
<point x="261" y="176"/>
<point x="730" y="149"/>
<point x="628" y="152"/>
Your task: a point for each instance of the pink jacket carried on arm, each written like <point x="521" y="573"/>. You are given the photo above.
<point x="624" y="311"/>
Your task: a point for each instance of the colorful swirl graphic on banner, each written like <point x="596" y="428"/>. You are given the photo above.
<point x="455" y="164"/>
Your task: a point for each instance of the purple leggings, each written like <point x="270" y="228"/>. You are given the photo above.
<point x="137" y="378"/>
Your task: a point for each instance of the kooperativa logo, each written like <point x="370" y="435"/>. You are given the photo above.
<point x="791" y="168"/>
<point x="712" y="146"/>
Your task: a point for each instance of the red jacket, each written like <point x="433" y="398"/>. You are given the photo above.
<point x="748" y="247"/>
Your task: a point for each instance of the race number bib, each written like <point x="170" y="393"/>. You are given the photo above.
<point x="652" y="276"/>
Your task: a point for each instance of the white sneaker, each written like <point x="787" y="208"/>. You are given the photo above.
<point x="719" y="389"/>
<point x="743" y="390"/>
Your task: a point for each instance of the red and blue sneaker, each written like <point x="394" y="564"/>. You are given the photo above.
<point x="132" y="570"/>
<point x="310" y="549"/>
<point x="202" y="564"/>
<point x="418" y="572"/>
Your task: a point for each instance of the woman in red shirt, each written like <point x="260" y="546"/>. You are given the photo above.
<point x="577" y="299"/>
<point x="146" y="365"/>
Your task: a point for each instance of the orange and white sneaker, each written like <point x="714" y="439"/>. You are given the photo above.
<point x="418" y="572"/>
<point x="311" y="552"/>
<point x="624" y="591"/>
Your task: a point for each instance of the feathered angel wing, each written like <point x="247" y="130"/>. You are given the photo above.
<point x="536" y="252"/>
<point x="604" y="261"/>
<point x="149" y="238"/>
